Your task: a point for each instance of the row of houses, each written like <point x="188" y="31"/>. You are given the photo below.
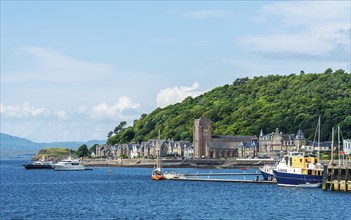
<point x="148" y="149"/>
<point x="205" y="145"/>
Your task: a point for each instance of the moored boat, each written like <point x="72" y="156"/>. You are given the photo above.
<point x="157" y="173"/>
<point x="38" y="165"/>
<point x="69" y="165"/>
<point x="299" y="170"/>
<point x="267" y="172"/>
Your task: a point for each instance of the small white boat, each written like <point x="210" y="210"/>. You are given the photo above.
<point x="69" y="165"/>
<point x="173" y="175"/>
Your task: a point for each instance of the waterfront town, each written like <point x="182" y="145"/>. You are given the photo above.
<point x="274" y="144"/>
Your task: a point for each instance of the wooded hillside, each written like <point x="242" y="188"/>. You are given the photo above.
<point x="249" y="105"/>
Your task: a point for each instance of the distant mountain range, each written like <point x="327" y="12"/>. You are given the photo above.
<point x="12" y="146"/>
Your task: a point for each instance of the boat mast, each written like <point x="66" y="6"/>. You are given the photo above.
<point x="332" y="147"/>
<point x="159" y="149"/>
<point x="319" y="136"/>
<point x="339" y="143"/>
<point x="158" y="160"/>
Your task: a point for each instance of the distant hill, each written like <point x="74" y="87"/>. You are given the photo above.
<point x="12" y="146"/>
<point x="246" y="106"/>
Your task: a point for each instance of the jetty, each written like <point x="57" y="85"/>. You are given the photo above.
<point x="202" y="177"/>
<point x="223" y="180"/>
<point x="337" y="178"/>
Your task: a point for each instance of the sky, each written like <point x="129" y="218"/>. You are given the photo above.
<point x="73" y="70"/>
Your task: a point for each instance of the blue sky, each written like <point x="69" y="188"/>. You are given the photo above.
<point x="74" y="70"/>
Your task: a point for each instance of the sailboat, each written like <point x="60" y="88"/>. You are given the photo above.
<point x="157" y="173"/>
<point x="300" y="170"/>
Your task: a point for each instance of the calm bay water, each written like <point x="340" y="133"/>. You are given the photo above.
<point x="129" y="193"/>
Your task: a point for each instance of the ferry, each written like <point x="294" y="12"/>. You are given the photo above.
<point x="297" y="169"/>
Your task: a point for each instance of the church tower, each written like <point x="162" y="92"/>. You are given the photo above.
<point x="202" y="135"/>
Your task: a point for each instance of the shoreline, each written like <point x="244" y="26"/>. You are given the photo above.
<point x="178" y="163"/>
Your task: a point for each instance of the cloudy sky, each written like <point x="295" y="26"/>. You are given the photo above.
<point x="74" y="70"/>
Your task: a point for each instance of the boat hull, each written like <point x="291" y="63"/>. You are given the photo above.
<point x="70" y="168"/>
<point x="37" y="166"/>
<point x="158" y="177"/>
<point x="266" y="174"/>
<point x="299" y="180"/>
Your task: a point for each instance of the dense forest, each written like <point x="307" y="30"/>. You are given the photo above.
<point x="249" y="105"/>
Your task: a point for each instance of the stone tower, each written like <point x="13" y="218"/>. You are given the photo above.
<point x="202" y="135"/>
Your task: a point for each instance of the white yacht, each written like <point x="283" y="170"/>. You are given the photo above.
<point x="69" y="165"/>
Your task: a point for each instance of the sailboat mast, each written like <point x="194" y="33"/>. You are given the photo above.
<point x="332" y="147"/>
<point x="319" y="135"/>
<point x="339" y="144"/>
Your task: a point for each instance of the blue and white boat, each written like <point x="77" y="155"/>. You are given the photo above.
<point x="299" y="170"/>
<point x="267" y="172"/>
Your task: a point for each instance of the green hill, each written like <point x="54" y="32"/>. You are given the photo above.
<point x="54" y="154"/>
<point x="249" y="105"/>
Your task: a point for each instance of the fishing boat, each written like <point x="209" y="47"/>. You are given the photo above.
<point x="267" y="172"/>
<point x="157" y="173"/>
<point x="69" y="165"/>
<point x="298" y="169"/>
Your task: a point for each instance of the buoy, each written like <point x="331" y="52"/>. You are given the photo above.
<point x="110" y="171"/>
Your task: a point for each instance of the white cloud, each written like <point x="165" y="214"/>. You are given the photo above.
<point x="27" y="111"/>
<point x="53" y="66"/>
<point x="114" y="112"/>
<point x="211" y="13"/>
<point x="308" y="13"/>
<point x="314" y="29"/>
<point x="177" y="94"/>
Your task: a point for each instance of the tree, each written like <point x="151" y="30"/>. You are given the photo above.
<point x="93" y="149"/>
<point x="121" y="125"/>
<point x="82" y="151"/>
<point x="109" y="134"/>
<point x="244" y="107"/>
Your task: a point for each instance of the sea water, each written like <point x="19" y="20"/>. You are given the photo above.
<point x="129" y="193"/>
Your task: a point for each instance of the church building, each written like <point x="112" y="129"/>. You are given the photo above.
<point x="208" y="146"/>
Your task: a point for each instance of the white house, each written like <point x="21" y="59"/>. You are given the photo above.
<point x="134" y="151"/>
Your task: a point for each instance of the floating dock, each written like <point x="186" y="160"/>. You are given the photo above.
<point x="337" y="178"/>
<point x="197" y="177"/>
<point x="225" y="180"/>
<point x="222" y="174"/>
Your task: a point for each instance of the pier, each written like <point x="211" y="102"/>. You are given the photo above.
<point x="225" y="180"/>
<point x="197" y="177"/>
<point x="222" y="174"/>
<point x="337" y="178"/>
